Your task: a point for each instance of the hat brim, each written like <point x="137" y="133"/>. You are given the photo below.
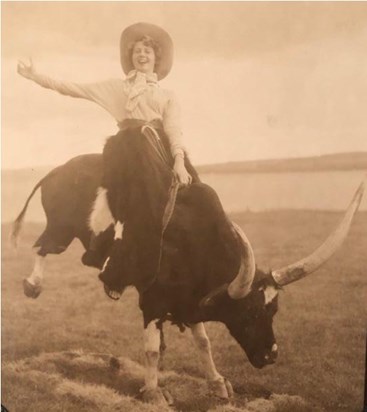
<point x="134" y="33"/>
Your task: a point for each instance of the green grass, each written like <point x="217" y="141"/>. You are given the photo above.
<point x="56" y="349"/>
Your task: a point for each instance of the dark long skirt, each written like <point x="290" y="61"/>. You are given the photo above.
<point x="144" y="208"/>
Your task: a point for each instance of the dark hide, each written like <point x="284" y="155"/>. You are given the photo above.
<point x="200" y="248"/>
<point x="200" y="253"/>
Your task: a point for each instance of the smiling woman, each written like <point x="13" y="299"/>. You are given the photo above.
<point x="146" y="57"/>
<point x="137" y="102"/>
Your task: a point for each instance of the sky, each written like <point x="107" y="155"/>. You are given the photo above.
<point x="255" y="80"/>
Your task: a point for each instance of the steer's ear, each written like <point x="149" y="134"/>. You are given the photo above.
<point x="215" y="296"/>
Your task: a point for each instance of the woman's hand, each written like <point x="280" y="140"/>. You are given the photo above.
<point x="180" y="170"/>
<point x="26" y="70"/>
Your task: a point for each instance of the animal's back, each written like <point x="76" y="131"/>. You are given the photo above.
<point x="200" y="249"/>
<point x="70" y="189"/>
<point x="67" y="196"/>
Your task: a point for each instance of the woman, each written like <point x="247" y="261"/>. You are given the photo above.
<point x="146" y="57"/>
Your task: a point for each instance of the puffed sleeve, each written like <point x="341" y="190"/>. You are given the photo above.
<point x="84" y="91"/>
<point x="106" y="93"/>
<point x="172" y="124"/>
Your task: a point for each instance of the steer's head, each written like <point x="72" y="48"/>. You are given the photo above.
<point x="250" y="322"/>
<point x="249" y="319"/>
<point x="248" y="304"/>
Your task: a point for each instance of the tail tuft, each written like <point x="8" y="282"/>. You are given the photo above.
<point x="17" y="227"/>
<point x="18" y="222"/>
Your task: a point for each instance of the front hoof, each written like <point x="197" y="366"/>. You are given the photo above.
<point x="157" y="396"/>
<point x="221" y="388"/>
<point x="31" y="291"/>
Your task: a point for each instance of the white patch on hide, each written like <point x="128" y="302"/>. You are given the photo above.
<point x="152" y="337"/>
<point x="152" y="341"/>
<point x="119" y="230"/>
<point x="37" y="275"/>
<point x="270" y="292"/>
<point x="100" y="217"/>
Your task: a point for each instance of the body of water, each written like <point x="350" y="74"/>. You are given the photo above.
<point x="246" y="191"/>
<point x="296" y="190"/>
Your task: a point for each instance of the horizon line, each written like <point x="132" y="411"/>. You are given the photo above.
<point x="204" y="164"/>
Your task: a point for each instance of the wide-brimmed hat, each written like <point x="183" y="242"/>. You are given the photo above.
<point x="134" y="33"/>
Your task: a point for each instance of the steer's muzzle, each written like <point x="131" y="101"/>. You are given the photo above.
<point x="267" y="358"/>
<point x="272" y="355"/>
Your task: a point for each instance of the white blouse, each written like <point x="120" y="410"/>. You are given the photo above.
<point x="137" y="97"/>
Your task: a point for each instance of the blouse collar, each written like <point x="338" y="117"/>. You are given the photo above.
<point x="135" y="85"/>
<point x="136" y="76"/>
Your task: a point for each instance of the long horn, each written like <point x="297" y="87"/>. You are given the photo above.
<point x="304" y="267"/>
<point x="241" y="284"/>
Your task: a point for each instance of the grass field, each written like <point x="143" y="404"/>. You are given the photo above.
<point x="56" y="349"/>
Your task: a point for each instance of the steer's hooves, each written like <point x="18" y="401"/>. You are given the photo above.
<point x="168" y="397"/>
<point x="229" y="388"/>
<point x="221" y="388"/>
<point x="157" y="397"/>
<point x="31" y="291"/>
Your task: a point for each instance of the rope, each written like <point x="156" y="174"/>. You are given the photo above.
<point x="167" y="215"/>
<point x="153" y="137"/>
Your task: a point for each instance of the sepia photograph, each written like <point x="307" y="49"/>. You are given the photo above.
<point x="184" y="216"/>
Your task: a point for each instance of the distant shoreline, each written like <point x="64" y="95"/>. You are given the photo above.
<point x="330" y="162"/>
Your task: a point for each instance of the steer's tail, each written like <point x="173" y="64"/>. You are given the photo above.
<point x="18" y="222"/>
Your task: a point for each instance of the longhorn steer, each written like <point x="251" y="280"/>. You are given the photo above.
<point x="206" y="268"/>
<point x="245" y="303"/>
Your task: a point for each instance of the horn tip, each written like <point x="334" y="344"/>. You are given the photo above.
<point x="360" y="191"/>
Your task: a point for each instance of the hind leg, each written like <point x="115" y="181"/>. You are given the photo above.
<point x="33" y="284"/>
<point x="55" y="240"/>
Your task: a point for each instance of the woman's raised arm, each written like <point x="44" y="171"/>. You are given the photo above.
<point x="84" y="91"/>
<point x="107" y="93"/>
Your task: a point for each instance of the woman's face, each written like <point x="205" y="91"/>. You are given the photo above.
<point x="143" y="58"/>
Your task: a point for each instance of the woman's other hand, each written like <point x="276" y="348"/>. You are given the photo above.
<point x="26" y="70"/>
<point x="180" y="171"/>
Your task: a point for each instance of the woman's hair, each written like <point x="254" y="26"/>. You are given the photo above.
<point x="150" y="42"/>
